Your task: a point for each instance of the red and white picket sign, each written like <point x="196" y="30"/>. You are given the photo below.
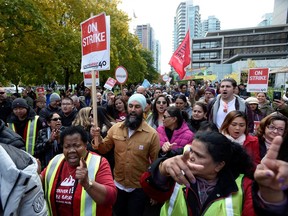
<point x="258" y="80"/>
<point x="95" y="38"/>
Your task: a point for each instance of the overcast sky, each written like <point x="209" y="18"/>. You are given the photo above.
<point x="160" y="13"/>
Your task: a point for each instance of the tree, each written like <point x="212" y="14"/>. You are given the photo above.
<point x="40" y="41"/>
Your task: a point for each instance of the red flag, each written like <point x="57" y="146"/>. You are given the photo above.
<point x="181" y="57"/>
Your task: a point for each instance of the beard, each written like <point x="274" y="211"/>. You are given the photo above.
<point x="133" y="121"/>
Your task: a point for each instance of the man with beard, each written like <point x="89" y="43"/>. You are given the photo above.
<point x="136" y="145"/>
<point x="226" y="102"/>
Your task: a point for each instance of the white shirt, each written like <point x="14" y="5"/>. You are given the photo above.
<point x="221" y="114"/>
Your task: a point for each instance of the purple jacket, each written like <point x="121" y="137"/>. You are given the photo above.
<point x="182" y="136"/>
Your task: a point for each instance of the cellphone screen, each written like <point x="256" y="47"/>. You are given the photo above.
<point x="277" y="95"/>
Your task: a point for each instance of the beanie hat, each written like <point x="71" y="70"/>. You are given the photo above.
<point x="54" y="97"/>
<point x="252" y="100"/>
<point x="139" y="98"/>
<point x="210" y="90"/>
<point x="20" y="102"/>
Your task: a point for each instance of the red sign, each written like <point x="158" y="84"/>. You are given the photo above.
<point x="110" y="83"/>
<point x="258" y="80"/>
<point x="94" y="34"/>
<point x="258" y="76"/>
<point x="40" y="90"/>
<point x="87" y="75"/>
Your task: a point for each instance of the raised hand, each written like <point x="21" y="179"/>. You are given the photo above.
<point x="279" y="103"/>
<point x="272" y="174"/>
<point x="95" y="132"/>
<point x="82" y="173"/>
<point x="167" y="146"/>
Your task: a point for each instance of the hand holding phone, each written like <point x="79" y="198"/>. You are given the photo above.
<point x="276" y="95"/>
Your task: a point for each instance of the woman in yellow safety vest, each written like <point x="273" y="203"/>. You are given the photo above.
<point x="212" y="179"/>
<point x="78" y="182"/>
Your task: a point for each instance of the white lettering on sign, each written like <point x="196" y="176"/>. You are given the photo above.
<point x="258" y="73"/>
<point x="95" y="38"/>
<point x="257" y="77"/>
<point x="93" y="27"/>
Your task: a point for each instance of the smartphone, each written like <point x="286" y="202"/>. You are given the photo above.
<point x="277" y="95"/>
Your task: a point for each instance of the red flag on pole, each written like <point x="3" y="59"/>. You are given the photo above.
<point x="181" y="57"/>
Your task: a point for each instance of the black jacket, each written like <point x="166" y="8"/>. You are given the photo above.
<point x="9" y="137"/>
<point x="45" y="150"/>
<point x="21" y="125"/>
<point x="45" y="112"/>
<point x="67" y="120"/>
<point x="5" y="109"/>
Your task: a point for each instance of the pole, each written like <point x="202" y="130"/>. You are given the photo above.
<point x="94" y="104"/>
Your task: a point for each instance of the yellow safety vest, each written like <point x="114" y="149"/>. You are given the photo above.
<point x="229" y="206"/>
<point x="31" y="134"/>
<point x="88" y="205"/>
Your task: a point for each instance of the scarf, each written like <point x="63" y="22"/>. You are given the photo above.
<point x="240" y="140"/>
<point x="205" y="188"/>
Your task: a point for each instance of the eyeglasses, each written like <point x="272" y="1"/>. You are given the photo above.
<point x="273" y="128"/>
<point x="2" y="92"/>
<point x="166" y="116"/>
<point x="163" y="102"/>
<point x="56" y="119"/>
<point x="66" y="104"/>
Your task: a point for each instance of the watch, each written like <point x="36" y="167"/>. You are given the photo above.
<point x="90" y="183"/>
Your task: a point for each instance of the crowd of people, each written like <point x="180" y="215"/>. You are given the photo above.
<point x="190" y="149"/>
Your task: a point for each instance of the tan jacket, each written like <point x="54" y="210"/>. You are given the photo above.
<point x="132" y="155"/>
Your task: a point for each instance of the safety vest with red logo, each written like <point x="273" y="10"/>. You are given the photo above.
<point x="87" y="205"/>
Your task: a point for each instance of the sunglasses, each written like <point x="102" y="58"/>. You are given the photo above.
<point x="163" y="102"/>
<point x="2" y="92"/>
<point x="56" y="119"/>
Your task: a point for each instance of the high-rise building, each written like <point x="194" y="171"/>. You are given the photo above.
<point x="187" y="17"/>
<point x="211" y="24"/>
<point x="145" y="34"/>
<point x="266" y="19"/>
<point x="280" y="13"/>
<point x="157" y="56"/>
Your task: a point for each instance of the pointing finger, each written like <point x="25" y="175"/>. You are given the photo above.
<point x="273" y="151"/>
<point x="186" y="155"/>
<point x="83" y="163"/>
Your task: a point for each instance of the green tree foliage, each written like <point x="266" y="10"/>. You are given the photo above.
<point x="40" y="40"/>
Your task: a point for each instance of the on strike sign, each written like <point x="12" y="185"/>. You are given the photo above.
<point x="110" y="83"/>
<point x="258" y="80"/>
<point x="95" y="39"/>
<point x="88" y="78"/>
